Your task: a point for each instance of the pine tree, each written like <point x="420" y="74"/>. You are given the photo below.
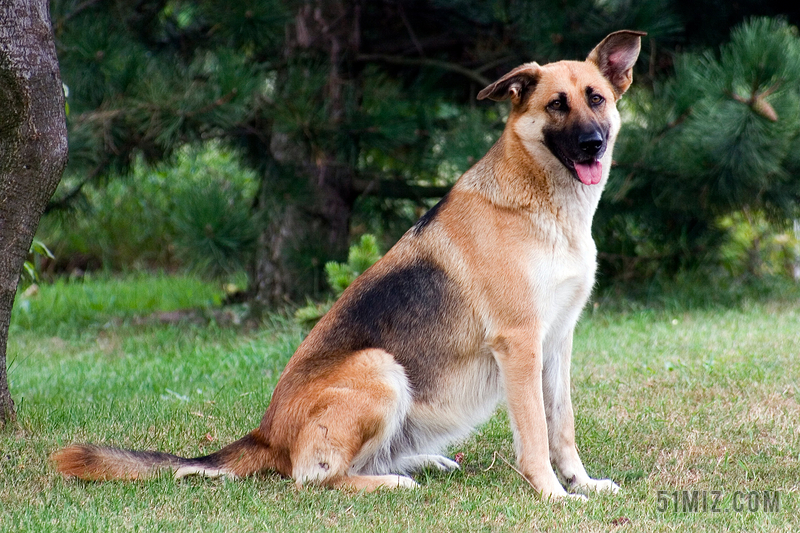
<point x="365" y="109"/>
<point x="339" y="104"/>
<point x="721" y="134"/>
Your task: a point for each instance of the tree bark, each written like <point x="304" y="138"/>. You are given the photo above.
<point x="33" y="148"/>
<point x="311" y="224"/>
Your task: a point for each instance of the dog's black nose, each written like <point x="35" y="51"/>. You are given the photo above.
<point x="590" y="142"/>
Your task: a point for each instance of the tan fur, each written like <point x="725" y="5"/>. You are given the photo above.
<point x="476" y="303"/>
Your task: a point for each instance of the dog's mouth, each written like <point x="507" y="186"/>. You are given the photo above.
<point x="579" y="150"/>
<point x="588" y="172"/>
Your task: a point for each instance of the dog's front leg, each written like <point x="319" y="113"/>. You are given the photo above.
<point x="519" y="356"/>
<point x="561" y="420"/>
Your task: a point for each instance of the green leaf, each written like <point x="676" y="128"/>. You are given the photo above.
<point x="39" y="248"/>
<point x="29" y="271"/>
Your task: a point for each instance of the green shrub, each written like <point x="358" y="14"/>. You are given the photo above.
<point x="159" y="217"/>
<point x="757" y="247"/>
<point x="214" y="232"/>
<point x="360" y="257"/>
<point x="32" y="267"/>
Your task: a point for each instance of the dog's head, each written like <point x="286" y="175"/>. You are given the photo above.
<point x="565" y="113"/>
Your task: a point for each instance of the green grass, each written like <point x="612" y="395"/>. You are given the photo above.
<point x="69" y="307"/>
<point x="670" y="400"/>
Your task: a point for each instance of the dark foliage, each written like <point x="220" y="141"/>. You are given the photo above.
<point x="356" y="112"/>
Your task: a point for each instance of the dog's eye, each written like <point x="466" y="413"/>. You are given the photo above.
<point x="556" y="105"/>
<point x="596" y="99"/>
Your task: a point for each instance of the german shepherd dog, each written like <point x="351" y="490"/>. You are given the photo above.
<point x="475" y="304"/>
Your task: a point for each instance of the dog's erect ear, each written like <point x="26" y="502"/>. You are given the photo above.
<point x="615" y="57"/>
<point x="513" y="85"/>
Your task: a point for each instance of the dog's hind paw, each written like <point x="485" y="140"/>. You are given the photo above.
<point x="202" y="471"/>
<point x="414" y="463"/>
<point x="404" y="482"/>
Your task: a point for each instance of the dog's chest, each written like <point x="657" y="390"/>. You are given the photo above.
<point x="561" y="278"/>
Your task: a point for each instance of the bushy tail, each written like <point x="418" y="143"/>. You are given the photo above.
<point x="246" y="456"/>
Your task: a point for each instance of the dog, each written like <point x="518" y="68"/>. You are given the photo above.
<point x="475" y="304"/>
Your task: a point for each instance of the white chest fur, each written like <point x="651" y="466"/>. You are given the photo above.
<point x="561" y="278"/>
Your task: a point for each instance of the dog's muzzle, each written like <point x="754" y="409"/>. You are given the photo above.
<point x="580" y="150"/>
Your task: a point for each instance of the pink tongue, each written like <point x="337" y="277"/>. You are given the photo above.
<point x="590" y="174"/>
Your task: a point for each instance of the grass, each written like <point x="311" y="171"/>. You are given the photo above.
<point x="665" y="400"/>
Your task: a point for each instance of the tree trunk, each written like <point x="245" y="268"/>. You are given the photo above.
<point x="304" y="228"/>
<point x="33" y="148"/>
<point x="277" y="220"/>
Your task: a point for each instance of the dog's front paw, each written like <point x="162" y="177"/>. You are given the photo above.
<point x="561" y="495"/>
<point x="594" y="486"/>
<point x="568" y="496"/>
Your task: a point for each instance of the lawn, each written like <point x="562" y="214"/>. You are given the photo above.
<point x="702" y="399"/>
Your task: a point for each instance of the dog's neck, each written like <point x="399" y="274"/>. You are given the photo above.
<point x="510" y="176"/>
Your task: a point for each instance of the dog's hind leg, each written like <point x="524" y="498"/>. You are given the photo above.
<point x="371" y="483"/>
<point x="357" y="411"/>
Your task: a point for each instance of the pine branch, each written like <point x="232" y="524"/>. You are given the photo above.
<point x="411" y="34"/>
<point x="78" y="10"/>
<point x="473" y="75"/>
<point x="222" y="100"/>
<point x="66" y="200"/>
<point x="494" y="63"/>
<point x="757" y="101"/>
<point x="398" y="189"/>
